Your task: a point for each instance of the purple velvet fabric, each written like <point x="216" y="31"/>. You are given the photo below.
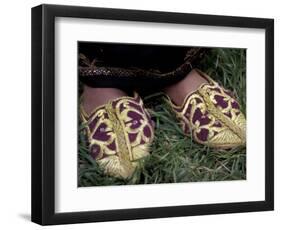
<point x="201" y="118"/>
<point x="136" y="120"/>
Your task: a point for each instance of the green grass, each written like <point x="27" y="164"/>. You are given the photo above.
<point x="175" y="157"/>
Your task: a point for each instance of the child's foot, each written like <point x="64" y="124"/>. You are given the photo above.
<point x="207" y="111"/>
<point x="118" y="128"/>
<point x="178" y="91"/>
<point x="95" y="97"/>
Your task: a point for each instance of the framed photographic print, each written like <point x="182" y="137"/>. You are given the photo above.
<point x="142" y="114"/>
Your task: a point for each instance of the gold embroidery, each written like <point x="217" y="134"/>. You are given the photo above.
<point x="123" y="149"/>
<point x="232" y="131"/>
<point x="219" y="115"/>
<point x="119" y="162"/>
<point x="100" y="114"/>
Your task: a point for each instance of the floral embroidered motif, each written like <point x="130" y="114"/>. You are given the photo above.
<point x="212" y="116"/>
<point x="119" y="134"/>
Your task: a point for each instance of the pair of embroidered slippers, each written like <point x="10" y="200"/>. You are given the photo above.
<point x="121" y="132"/>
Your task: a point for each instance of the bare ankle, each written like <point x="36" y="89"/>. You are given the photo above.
<point x="94" y="97"/>
<point x="178" y="91"/>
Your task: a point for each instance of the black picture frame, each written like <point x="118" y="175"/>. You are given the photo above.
<point x="43" y="110"/>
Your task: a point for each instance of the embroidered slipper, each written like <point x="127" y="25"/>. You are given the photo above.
<point x="212" y="116"/>
<point x="119" y="134"/>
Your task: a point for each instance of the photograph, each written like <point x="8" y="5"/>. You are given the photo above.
<point x="154" y="114"/>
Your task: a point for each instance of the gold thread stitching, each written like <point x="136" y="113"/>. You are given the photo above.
<point x="123" y="152"/>
<point x="114" y="163"/>
<point x="219" y="115"/>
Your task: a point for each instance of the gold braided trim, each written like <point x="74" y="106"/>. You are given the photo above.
<point x="219" y="115"/>
<point x="124" y="152"/>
